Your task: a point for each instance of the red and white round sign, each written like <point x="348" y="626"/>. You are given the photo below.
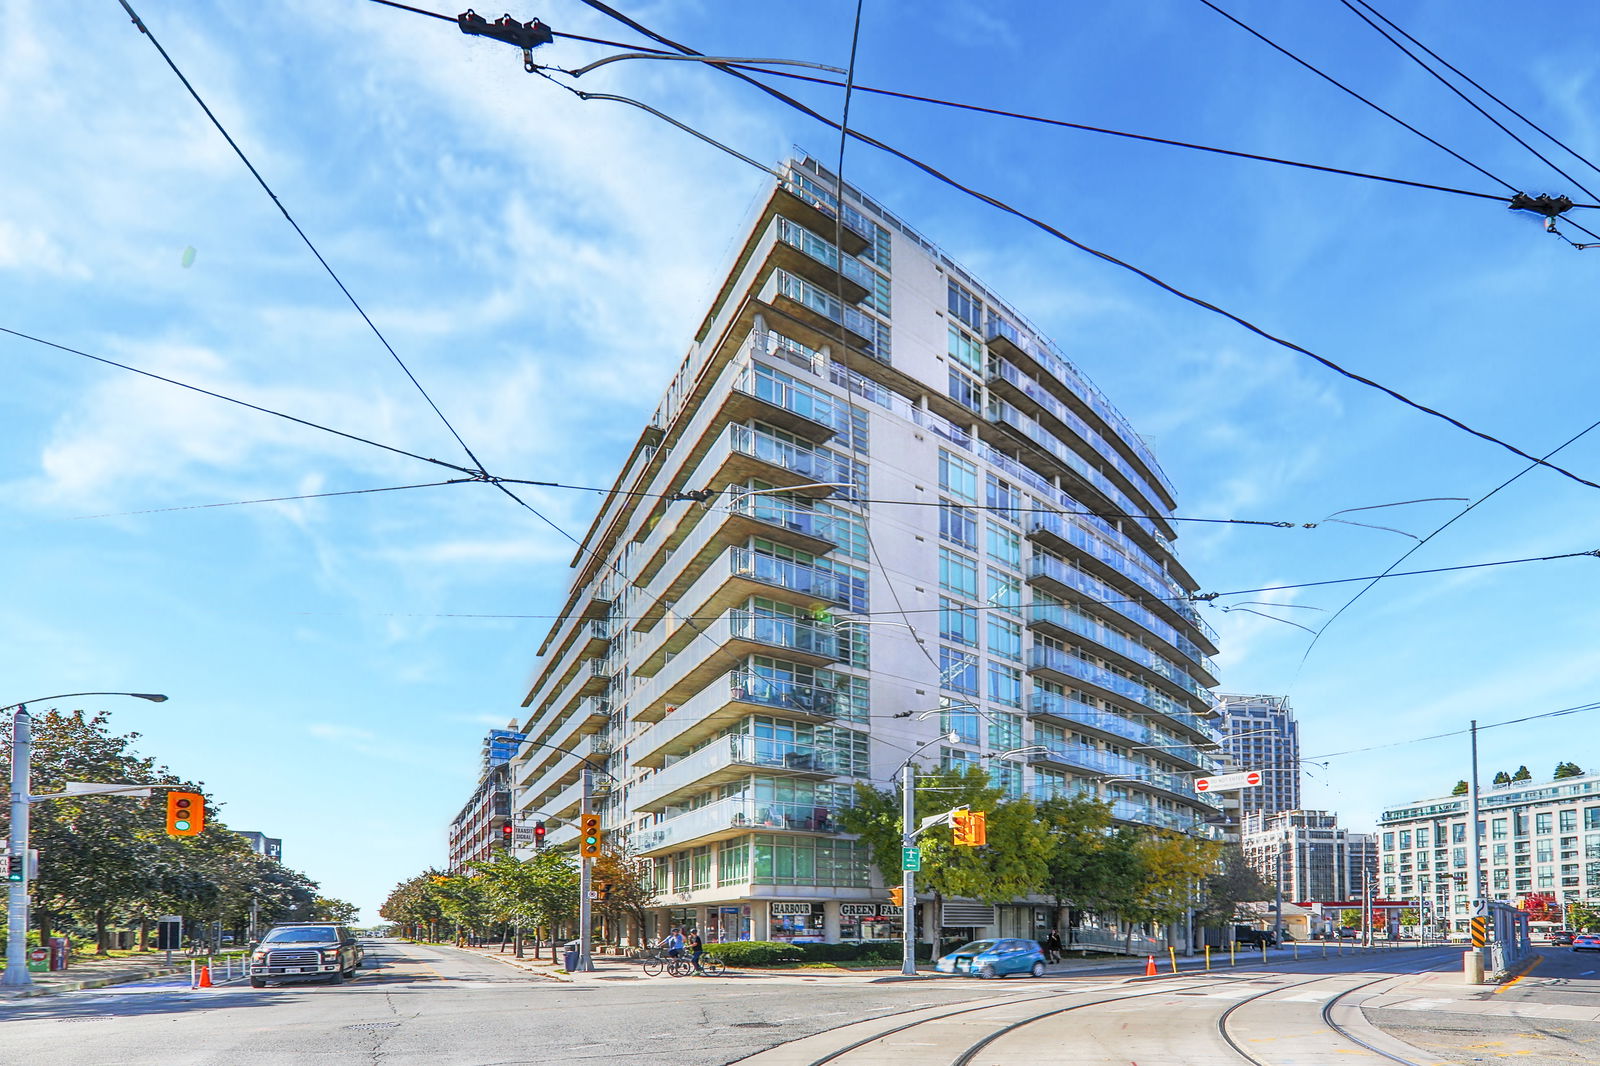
<point x="1252" y="778"/>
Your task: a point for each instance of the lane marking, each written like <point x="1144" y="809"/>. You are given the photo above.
<point x="1536" y="962"/>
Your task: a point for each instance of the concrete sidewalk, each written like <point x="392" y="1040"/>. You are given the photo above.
<point x="91" y="972"/>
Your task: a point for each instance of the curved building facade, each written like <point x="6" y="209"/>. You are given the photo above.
<point x="873" y="507"/>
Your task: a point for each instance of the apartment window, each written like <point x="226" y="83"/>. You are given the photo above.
<point x="1569" y="820"/>
<point x="965" y="350"/>
<point x="810" y="861"/>
<point x="733" y="863"/>
<point x="700" y="871"/>
<point x="1591" y="817"/>
<point x="958" y="671"/>
<point x="1047" y="784"/>
<point x="965" y="389"/>
<point x="1388" y="842"/>
<point x="1458" y="833"/>
<point x="1405" y="840"/>
<point x="1005" y="684"/>
<point x="1498" y="828"/>
<point x="1542" y="822"/>
<point x="958" y="477"/>
<point x="1003" y="499"/>
<point x="1519" y="823"/>
<point x="1500" y="855"/>
<point x="958" y="622"/>
<point x="1422" y="838"/>
<point x="1544" y="877"/>
<point x="1458" y="857"/>
<point x="1007" y="777"/>
<point x="956" y="759"/>
<point x="1544" y="851"/>
<point x="1005" y="731"/>
<point x="958" y="573"/>
<point x="1005" y="546"/>
<point x="1005" y="638"/>
<point x="964" y="304"/>
<point x="958" y="525"/>
<point x="1502" y="880"/>
<point x="1005" y="591"/>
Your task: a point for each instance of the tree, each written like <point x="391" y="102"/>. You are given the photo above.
<point x="1583" y="917"/>
<point x="552" y="880"/>
<point x="327" y="909"/>
<point x="1567" y="769"/>
<point x="1502" y="778"/>
<point x="1170" y="866"/>
<point x="1522" y="774"/>
<point x="1235" y="882"/>
<point x="415" y="904"/>
<point x="1460" y="789"/>
<point x="1075" y="867"/>
<point x="633" y="890"/>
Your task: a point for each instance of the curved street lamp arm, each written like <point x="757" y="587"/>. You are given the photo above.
<point x="153" y="697"/>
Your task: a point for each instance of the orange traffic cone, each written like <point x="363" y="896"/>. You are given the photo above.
<point x="1149" y="969"/>
<point x="205" y="976"/>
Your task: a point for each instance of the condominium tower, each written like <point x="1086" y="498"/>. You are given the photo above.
<point x="874" y="508"/>
<point x="1260" y="733"/>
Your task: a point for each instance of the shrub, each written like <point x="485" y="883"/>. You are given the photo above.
<point x="758" y="953"/>
<point x="830" y="952"/>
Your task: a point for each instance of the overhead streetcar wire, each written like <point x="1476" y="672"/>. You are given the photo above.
<point x="271" y="499"/>
<point x="137" y="21"/>
<point x="1107" y="257"/>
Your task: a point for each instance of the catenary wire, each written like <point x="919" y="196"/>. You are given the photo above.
<point x="1468" y="79"/>
<point x="1579" y="709"/>
<point x="270" y="499"/>
<point x="938" y="175"/>
<point x="296" y="226"/>
<point x="475" y="474"/>
<point x="1330" y="79"/>
<point x="1446" y="525"/>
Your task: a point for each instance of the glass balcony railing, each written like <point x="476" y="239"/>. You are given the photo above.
<point x="833" y="309"/>
<point x="785" y="574"/>
<point x="765" y="383"/>
<point x="1064" y="528"/>
<point x="1085" y="757"/>
<point x="1045" y="566"/>
<point x="826" y="202"/>
<point x="1040" y="702"/>
<point x="783" y="695"/>
<point x="813" y="464"/>
<point x="1043" y="657"/>
<point x="1025" y="384"/>
<point x="737" y="751"/>
<point x="777" y="511"/>
<point x="797" y="236"/>
<point x="735" y="812"/>
<point x="782" y="631"/>
<point x="1144" y="814"/>
<point x="1084" y="626"/>
<point x="1066" y="373"/>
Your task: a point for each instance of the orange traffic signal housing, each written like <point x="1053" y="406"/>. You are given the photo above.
<point x="589" y="835"/>
<point x="897" y="896"/>
<point x="186" y="813"/>
<point x="969" y="828"/>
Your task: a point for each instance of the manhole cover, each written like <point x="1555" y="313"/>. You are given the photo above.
<point x="374" y="1025"/>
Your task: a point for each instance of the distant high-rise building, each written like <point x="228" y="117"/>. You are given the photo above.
<point x="1308" y="854"/>
<point x="261" y="844"/>
<point x="1260" y="733"/>
<point x="479" y="825"/>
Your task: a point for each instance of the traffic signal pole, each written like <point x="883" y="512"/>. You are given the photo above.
<point x="584" y="875"/>
<point x="16" y="974"/>
<point x="908" y="877"/>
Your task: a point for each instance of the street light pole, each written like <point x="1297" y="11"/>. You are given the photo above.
<point x="908" y="877"/>
<point x="16" y="973"/>
<point x="584" y="917"/>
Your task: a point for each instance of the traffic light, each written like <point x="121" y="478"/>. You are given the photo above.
<point x="505" y="834"/>
<point x="897" y="896"/>
<point x="538" y="834"/>
<point x="589" y="835"/>
<point x="602" y="889"/>
<point x="978" y="828"/>
<point x="186" y="813"/>
<point x="961" y="827"/>
<point x="15" y="865"/>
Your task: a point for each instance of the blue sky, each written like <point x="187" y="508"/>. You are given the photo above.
<point x="541" y="262"/>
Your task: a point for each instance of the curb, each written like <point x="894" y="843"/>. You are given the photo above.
<point x="90" y="982"/>
<point x="511" y="961"/>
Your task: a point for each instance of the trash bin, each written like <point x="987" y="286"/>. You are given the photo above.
<point x="570" y="960"/>
<point x="60" y="952"/>
<point x="38" y="959"/>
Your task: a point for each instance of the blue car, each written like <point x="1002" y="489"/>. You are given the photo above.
<point x="994" y="958"/>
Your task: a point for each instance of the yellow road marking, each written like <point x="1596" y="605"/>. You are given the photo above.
<point x="1520" y="976"/>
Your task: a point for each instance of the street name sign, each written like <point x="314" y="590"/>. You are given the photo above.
<point x="1228" y="782"/>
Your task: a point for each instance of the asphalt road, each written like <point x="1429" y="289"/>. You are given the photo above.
<point x="426" y="1006"/>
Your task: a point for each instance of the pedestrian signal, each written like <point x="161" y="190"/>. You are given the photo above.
<point x="589" y="835"/>
<point x="897" y="896"/>
<point x="186" y="813"/>
<point x="602" y="890"/>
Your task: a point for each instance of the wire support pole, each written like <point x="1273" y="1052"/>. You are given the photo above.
<point x="908" y="877"/>
<point x="585" y="877"/>
<point x="16" y="974"/>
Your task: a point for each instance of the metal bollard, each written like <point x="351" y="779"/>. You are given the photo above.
<point x="1208" y="958"/>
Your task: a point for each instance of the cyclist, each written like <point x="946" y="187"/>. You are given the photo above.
<point x="674" y="943"/>
<point x="697" y="948"/>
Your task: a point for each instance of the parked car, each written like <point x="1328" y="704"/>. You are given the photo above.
<point x="1586" y="942"/>
<point x="304" y="950"/>
<point x="1244" y="936"/>
<point x="994" y="958"/>
<point x="1348" y="934"/>
<point x="1561" y="936"/>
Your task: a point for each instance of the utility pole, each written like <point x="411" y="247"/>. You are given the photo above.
<point x="584" y="861"/>
<point x="16" y="975"/>
<point x="1277" y="910"/>
<point x="1474" y="863"/>
<point x="908" y="876"/>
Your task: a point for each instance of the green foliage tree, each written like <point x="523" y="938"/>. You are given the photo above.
<point x="327" y="909"/>
<point x="1461" y="789"/>
<point x="1567" y="769"/>
<point x="415" y="905"/>
<point x="633" y="889"/>
<point x="1583" y="917"/>
<point x="1522" y="774"/>
<point x="1502" y="778"/>
<point x="1233" y="883"/>
<point x="1170" y="865"/>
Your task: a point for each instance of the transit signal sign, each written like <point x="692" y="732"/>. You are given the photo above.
<point x="1228" y="782"/>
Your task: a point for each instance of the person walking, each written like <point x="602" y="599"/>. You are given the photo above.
<point x="697" y="948"/>
<point x="1052" y="947"/>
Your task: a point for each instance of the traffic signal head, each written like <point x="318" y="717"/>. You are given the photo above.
<point x="15" y="865"/>
<point x="505" y="834"/>
<point x="978" y="828"/>
<point x="961" y="828"/>
<point x="602" y="890"/>
<point x="897" y="896"/>
<point x="589" y="835"/>
<point x="538" y="834"/>
<point x="186" y="813"/>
